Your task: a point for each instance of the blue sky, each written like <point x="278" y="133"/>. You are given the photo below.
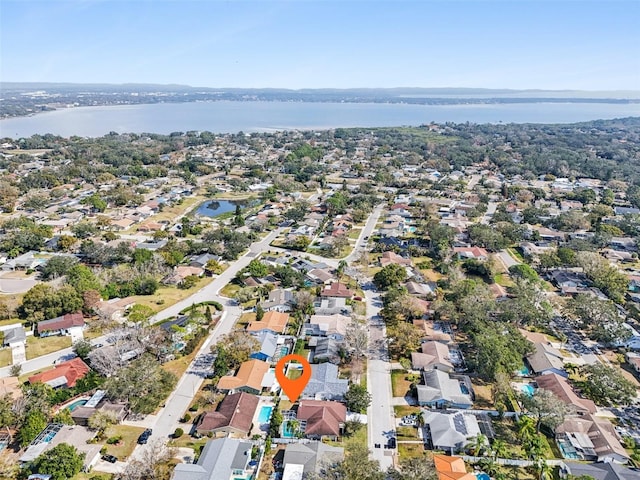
<point x="547" y="44"/>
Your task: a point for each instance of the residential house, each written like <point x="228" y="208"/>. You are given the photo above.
<point x="249" y="378"/>
<point x="322" y="419"/>
<point x="451" y="468"/>
<point x="122" y="223"/>
<point x="69" y="324"/>
<point x="180" y="273"/>
<point x="273" y="321"/>
<point x="420" y="289"/>
<point x="590" y="438"/>
<point x="634" y="360"/>
<point x="598" y="471"/>
<point x="475" y="253"/>
<point x="309" y="458"/>
<point x="10" y="386"/>
<point x="569" y="282"/>
<point x="97" y="403"/>
<point x="221" y="459"/>
<point x="434" y="355"/>
<point x="324" y="383"/>
<point x="333" y="326"/>
<point x="114" y="309"/>
<point x="561" y="388"/>
<point x="337" y="290"/>
<point x="436" y="331"/>
<point x="280" y="300"/>
<point x="441" y="391"/>
<point x="74" y="435"/>
<point x="14" y="337"/>
<point x="202" y="260"/>
<point x="320" y="276"/>
<point x="331" y="306"/>
<point x="26" y="261"/>
<point x="326" y="349"/>
<point x="268" y="346"/>
<point x="546" y="359"/>
<point x="389" y="258"/>
<point x="450" y="432"/>
<point x="65" y="375"/>
<point x="233" y="416"/>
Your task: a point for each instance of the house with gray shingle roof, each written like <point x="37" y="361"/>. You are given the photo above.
<point x="441" y="391"/>
<point x="324" y="383"/>
<point x="313" y="456"/>
<point x="220" y="459"/>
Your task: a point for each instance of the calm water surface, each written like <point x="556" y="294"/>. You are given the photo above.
<point x="232" y="117"/>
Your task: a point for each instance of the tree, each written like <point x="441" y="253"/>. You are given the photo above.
<point x="389" y="275"/>
<point x="7" y="413"/>
<point x="34" y="422"/>
<point x="57" y="266"/>
<point x="232" y="349"/>
<point x="259" y="313"/>
<point x="414" y="468"/>
<point x="100" y="420"/>
<point x="142" y="383"/>
<point x="599" y="318"/>
<point x="82" y="348"/>
<point x="357" y="398"/>
<point x="66" y="242"/>
<point x="61" y="462"/>
<point x="546" y="407"/>
<point x="355" y="466"/>
<point x="155" y="463"/>
<point x="528" y="304"/>
<point x="43" y="302"/>
<point x="257" y="269"/>
<point x="524" y="271"/>
<point x="606" y="386"/>
<point x="478" y="445"/>
<point x="238" y="219"/>
<point x="403" y="338"/>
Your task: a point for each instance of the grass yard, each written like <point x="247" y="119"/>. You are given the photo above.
<point x="127" y="444"/>
<point x="245" y="318"/>
<point x="5" y="357"/>
<point x="229" y="290"/>
<point x="503" y="280"/>
<point x="407" y="433"/>
<point x="402" y="410"/>
<point x="484" y="396"/>
<point x="187" y="441"/>
<point x="166" y="296"/>
<point x="400" y="383"/>
<point x="412" y="450"/>
<point x="10" y="321"/>
<point x="169" y="213"/>
<point x="37" y="346"/>
<point x="179" y="365"/>
<point x="92" y="476"/>
<point x="354" y="233"/>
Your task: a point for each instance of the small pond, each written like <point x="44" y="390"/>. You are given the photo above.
<point x="213" y="208"/>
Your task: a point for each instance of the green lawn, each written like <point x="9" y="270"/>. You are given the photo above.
<point x="412" y="450"/>
<point x="400" y="383"/>
<point x="36" y="346"/>
<point x="92" y="476"/>
<point x="5" y="357"/>
<point x="229" y="290"/>
<point x="402" y="410"/>
<point x="127" y="444"/>
<point x="407" y="433"/>
<point x="10" y="321"/>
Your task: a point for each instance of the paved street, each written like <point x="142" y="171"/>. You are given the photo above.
<point x="506" y="259"/>
<point x="380" y="414"/>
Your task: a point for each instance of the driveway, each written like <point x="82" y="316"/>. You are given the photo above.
<point x="506" y="259"/>
<point x="16" y="285"/>
<point x="380" y="414"/>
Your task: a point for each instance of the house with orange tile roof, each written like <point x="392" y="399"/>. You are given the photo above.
<point x="337" y="289"/>
<point x="64" y="375"/>
<point x="273" y="321"/>
<point x="322" y="418"/>
<point x="451" y="468"/>
<point x="249" y="378"/>
<point x="234" y="415"/>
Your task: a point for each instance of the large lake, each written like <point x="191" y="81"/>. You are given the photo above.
<point x="232" y="117"/>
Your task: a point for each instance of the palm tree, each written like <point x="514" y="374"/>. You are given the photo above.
<point x="545" y="472"/>
<point x="526" y="428"/>
<point x="342" y="264"/>
<point x="294" y="427"/>
<point x="499" y="449"/>
<point x="478" y="445"/>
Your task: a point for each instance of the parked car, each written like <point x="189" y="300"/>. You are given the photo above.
<point x="144" y="436"/>
<point x="391" y="443"/>
<point x="110" y="458"/>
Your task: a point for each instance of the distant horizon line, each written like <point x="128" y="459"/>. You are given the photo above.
<point x="17" y="84"/>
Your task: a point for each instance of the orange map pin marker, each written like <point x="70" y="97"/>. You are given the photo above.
<point x="293" y="388"/>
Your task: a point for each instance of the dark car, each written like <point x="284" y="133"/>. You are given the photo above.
<point x="110" y="458"/>
<point x="144" y="436"/>
<point x="391" y="443"/>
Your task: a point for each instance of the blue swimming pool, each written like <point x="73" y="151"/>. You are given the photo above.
<point x="265" y="413"/>
<point x="77" y="404"/>
<point x="287" y="431"/>
<point x="527" y="389"/>
<point x="482" y="476"/>
<point x="524" y="372"/>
